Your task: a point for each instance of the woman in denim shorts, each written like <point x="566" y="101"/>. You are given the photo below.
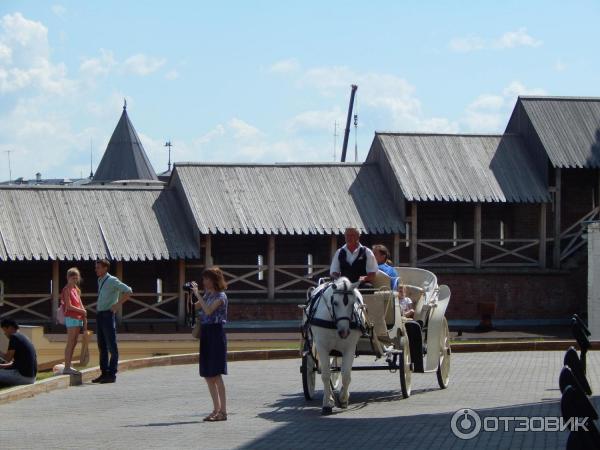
<point x="75" y="314"/>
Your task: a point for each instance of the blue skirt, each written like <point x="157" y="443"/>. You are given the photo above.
<point x="213" y="350"/>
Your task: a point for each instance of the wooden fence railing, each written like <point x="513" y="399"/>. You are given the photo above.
<point x="571" y="239"/>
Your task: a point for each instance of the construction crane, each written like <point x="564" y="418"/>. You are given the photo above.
<point x="353" y="88"/>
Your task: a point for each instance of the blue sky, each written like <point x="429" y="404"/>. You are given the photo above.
<point x="265" y="81"/>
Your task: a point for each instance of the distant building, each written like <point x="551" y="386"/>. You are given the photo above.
<point x="497" y="217"/>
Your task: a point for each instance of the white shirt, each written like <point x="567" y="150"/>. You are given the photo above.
<point x="372" y="265"/>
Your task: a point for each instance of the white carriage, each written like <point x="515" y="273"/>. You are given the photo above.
<point x="407" y="345"/>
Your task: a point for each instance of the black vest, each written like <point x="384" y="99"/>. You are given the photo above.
<point x="355" y="270"/>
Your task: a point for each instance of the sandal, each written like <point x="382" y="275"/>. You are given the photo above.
<point x="219" y="417"/>
<point x="210" y="417"/>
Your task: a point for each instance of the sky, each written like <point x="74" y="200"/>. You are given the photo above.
<point x="265" y="81"/>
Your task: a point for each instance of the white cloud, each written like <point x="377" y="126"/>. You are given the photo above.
<point x="518" y="38"/>
<point x="243" y="130"/>
<point x="488" y="102"/>
<point x="509" y="39"/>
<point x="59" y="10"/>
<point x="383" y="97"/>
<point x="285" y="66"/>
<point x="42" y="139"/>
<point x="99" y="66"/>
<point x="143" y="65"/>
<point x="5" y="54"/>
<point x="25" y="58"/>
<point x="516" y="88"/>
<point x="319" y="120"/>
<point x="490" y="112"/>
<point x="172" y="75"/>
<point x="466" y="44"/>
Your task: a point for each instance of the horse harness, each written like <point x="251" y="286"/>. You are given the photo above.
<point x="354" y="319"/>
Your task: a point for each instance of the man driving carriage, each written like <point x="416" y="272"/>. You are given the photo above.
<point x="353" y="260"/>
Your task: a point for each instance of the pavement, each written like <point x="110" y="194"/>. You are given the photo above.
<point x="162" y="407"/>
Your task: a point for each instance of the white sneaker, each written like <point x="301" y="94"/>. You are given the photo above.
<point x="71" y="371"/>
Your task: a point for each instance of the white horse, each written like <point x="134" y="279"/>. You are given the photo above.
<point x="333" y="323"/>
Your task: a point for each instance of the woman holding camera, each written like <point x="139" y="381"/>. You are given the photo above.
<point x="212" y="314"/>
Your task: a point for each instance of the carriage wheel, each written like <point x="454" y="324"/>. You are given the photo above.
<point x="443" y="371"/>
<point x="335" y="379"/>
<point x="405" y="369"/>
<point x="309" y="376"/>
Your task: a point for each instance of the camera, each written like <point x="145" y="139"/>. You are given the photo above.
<point x="188" y="286"/>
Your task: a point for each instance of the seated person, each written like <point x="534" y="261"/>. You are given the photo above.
<point x="354" y="261"/>
<point x="21" y="359"/>
<point x="406" y="304"/>
<point x="382" y="256"/>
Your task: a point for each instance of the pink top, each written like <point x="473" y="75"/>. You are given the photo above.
<point x="75" y="300"/>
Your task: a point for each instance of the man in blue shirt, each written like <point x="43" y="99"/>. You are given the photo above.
<point x="112" y="293"/>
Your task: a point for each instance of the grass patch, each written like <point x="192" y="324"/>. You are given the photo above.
<point x="44" y="375"/>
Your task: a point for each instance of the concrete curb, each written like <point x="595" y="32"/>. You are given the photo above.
<point x="64" y="381"/>
<point x="87" y="375"/>
<point x="516" y="346"/>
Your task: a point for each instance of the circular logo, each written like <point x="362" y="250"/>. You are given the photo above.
<point x="465" y="424"/>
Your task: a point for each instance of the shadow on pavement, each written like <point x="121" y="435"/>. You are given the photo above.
<point x="303" y="427"/>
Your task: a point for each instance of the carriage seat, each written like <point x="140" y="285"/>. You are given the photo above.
<point x="380" y="310"/>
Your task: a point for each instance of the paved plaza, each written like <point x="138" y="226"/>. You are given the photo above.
<point x="162" y="408"/>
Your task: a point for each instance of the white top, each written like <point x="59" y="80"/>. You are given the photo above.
<point x="405" y="304"/>
<point x="372" y="265"/>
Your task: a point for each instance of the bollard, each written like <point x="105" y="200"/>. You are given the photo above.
<point x="581" y="333"/>
<point x="75" y="379"/>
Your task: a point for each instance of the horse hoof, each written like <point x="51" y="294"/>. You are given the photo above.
<point x="327" y="411"/>
<point x="344" y="405"/>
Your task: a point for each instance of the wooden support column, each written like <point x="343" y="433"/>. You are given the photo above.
<point x="271" y="268"/>
<point x="413" y="234"/>
<point x="542" y="249"/>
<point x="181" y="280"/>
<point x="119" y="275"/>
<point x="208" y="259"/>
<point x="477" y="236"/>
<point x="557" y="213"/>
<point x="55" y="289"/>
<point x="598" y="189"/>
<point x="333" y="245"/>
<point x="396" y="250"/>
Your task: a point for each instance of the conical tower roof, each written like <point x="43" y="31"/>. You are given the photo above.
<point x="124" y="158"/>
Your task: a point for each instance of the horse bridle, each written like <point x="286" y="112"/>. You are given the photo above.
<point x="345" y="292"/>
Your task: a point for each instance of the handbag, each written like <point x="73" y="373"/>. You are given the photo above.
<point x="60" y="314"/>
<point x="84" y="357"/>
<point x="196" y="330"/>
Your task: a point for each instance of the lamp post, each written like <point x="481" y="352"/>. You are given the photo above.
<point x="169" y="145"/>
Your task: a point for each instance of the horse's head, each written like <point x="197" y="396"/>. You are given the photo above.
<point x="342" y="296"/>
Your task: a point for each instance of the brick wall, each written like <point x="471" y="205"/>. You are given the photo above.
<point x="527" y="295"/>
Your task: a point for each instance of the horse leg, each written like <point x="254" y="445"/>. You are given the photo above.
<point x="325" y="376"/>
<point x="347" y="361"/>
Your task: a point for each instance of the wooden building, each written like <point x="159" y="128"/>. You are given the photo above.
<point x="497" y="217"/>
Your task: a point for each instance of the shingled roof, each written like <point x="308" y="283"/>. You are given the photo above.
<point x="568" y="128"/>
<point x="124" y="158"/>
<point x="455" y="167"/>
<point x="287" y="198"/>
<point x="90" y="222"/>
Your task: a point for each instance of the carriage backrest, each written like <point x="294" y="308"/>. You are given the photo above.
<point x="418" y="277"/>
<point x="382" y="280"/>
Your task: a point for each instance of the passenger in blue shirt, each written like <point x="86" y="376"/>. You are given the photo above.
<point x="382" y="255"/>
